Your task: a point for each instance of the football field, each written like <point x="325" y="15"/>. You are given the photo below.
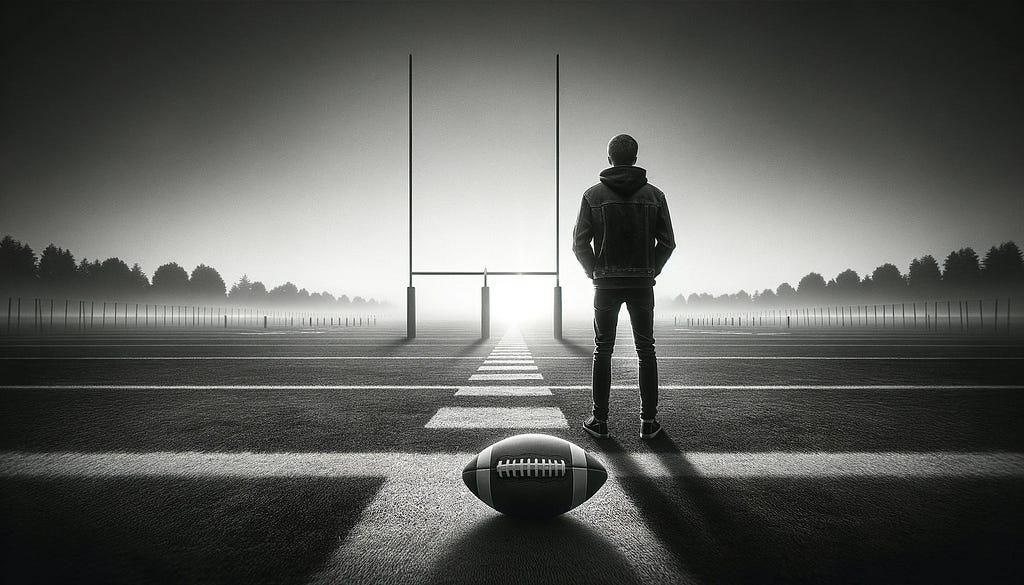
<point x="335" y="455"/>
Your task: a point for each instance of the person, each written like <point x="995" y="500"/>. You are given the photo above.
<point x="623" y="238"/>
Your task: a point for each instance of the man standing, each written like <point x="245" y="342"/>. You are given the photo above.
<point x="627" y="220"/>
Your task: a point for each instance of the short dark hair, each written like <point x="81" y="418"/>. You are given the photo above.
<point x="622" y="149"/>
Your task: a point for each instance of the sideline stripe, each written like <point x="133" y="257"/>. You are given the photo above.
<point x="624" y="341"/>
<point x="503" y="391"/>
<point x="342" y="358"/>
<point x="685" y="464"/>
<point x="523" y="376"/>
<point x="518" y="417"/>
<point x="533" y="377"/>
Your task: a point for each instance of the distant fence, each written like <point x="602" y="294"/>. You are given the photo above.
<point x="964" y="316"/>
<point x="79" y="315"/>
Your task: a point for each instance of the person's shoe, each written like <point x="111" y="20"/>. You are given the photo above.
<point x="649" y="429"/>
<point x="597" y="428"/>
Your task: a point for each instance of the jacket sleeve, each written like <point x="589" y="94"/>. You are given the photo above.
<point x="582" y="236"/>
<point x="666" y="238"/>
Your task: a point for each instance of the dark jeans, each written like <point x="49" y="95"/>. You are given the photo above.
<point x="640" y="304"/>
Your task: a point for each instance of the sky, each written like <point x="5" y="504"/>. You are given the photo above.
<point x="272" y="138"/>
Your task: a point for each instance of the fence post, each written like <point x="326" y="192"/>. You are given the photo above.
<point x="995" y="317"/>
<point x="264" y="321"/>
<point x="10" y="300"/>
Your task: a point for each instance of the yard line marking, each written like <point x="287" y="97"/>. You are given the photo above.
<point x="453" y="387"/>
<point x="236" y="358"/>
<point x="505" y="368"/>
<point x="225" y="387"/>
<point x="490" y="361"/>
<point x="524" y="376"/>
<point x="812" y="387"/>
<point x="343" y="358"/>
<point x="507" y="417"/>
<point x="503" y="391"/>
<point x="389" y="464"/>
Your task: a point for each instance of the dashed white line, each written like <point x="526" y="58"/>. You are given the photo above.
<point x="503" y="391"/>
<point x="536" y="417"/>
<point x="524" y="376"/>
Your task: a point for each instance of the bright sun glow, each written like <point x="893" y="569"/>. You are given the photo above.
<point x="520" y="299"/>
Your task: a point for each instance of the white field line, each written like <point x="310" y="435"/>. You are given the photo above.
<point x="523" y="376"/>
<point x="506" y="368"/>
<point x="683" y="464"/>
<point x="344" y="358"/>
<point x="625" y="341"/>
<point x="503" y="391"/>
<point x="508" y="417"/>
<point x="532" y="377"/>
<point x="490" y="361"/>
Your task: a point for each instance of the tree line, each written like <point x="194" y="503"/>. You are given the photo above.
<point x="55" y="273"/>
<point x="962" y="275"/>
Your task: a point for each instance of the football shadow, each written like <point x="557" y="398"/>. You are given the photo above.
<point x="503" y="549"/>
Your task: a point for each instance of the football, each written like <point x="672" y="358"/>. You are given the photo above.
<point x="534" y="475"/>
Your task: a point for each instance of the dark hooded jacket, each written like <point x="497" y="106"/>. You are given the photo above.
<point x="623" y="234"/>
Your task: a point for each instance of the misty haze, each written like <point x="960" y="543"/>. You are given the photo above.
<point x="516" y="292"/>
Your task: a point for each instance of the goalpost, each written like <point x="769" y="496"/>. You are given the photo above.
<point x="485" y="295"/>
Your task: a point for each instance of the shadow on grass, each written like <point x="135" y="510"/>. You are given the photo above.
<point x="174" y="530"/>
<point x="502" y="549"/>
<point x="827" y="529"/>
<point x="695" y="528"/>
<point x="575" y="348"/>
<point x="471" y="348"/>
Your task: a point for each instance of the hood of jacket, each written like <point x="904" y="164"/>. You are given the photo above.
<point x="624" y="179"/>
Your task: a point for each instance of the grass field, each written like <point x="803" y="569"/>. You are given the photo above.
<point x="334" y="455"/>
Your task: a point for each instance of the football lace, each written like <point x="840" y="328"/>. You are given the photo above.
<point x="529" y="467"/>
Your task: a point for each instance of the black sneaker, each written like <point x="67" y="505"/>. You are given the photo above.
<point x="649" y="429"/>
<point x="597" y="428"/>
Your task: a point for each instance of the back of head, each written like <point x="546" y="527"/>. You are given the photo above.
<point x="622" y="150"/>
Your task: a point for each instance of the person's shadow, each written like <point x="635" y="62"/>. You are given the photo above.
<point x="688" y="517"/>
<point x="575" y="348"/>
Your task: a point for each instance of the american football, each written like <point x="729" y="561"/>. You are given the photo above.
<point x="534" y="475"/>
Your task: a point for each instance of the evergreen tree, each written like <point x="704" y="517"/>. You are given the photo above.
<point x="1003" y="269"/>
<point x="241" y="290"/>
<point x="57" y="271"/>
<point x="139" y="281"/>
<point x="17" y="265"/>
<point x="961" y="272"/>
<point x="923" y="277"/>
